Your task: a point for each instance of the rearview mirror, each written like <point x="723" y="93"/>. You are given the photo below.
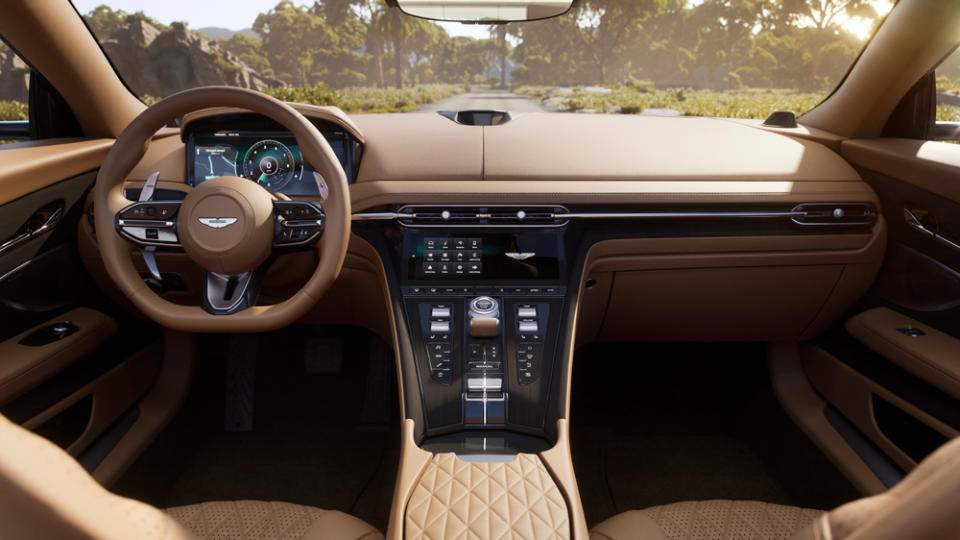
<point x="484" y="11"/>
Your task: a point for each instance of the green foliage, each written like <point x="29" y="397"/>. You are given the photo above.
<point x="746" y="103"/>
<point x="375" y="100"/>
<point x="104" y="21"/>
<point x="249" y="50"/>
<point x="318" y="94"/>
<point x="368" y="99"/>
<point x="13" y="110"/>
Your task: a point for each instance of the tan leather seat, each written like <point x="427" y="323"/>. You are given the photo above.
<point x="45" y="493"/>
<point x="924" y="505"/>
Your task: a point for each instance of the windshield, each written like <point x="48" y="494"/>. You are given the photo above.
<point x="726" y="58"/>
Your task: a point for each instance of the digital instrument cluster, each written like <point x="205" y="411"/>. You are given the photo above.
<point x="271" y="159"/>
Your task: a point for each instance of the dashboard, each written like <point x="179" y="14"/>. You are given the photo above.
<point x="250" y="147"/>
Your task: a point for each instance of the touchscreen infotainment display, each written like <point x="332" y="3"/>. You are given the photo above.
<point x="490" y="256"/>
<point x="452" y="257"/>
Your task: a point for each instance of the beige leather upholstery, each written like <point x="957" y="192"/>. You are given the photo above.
<point x="242" y="520"/>
<point x="45" y="493"/>
<point x="718" y="520"/>
<point x="456" y="499"/>
<point x="924" y="505"/>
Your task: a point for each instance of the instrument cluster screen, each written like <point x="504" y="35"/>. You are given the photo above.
<point x="272" y="160"/>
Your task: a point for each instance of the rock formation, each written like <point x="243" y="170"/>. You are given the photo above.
<point x="159" y="63"/>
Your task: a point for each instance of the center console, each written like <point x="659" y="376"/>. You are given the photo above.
<point x="483" y="310"/>
<point x="480" y="298"/>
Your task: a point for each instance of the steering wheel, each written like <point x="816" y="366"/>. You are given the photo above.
<point x="228" y="225"/>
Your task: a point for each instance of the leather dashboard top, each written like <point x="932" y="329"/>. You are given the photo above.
<point x="558" y="146"/>
<point x="574" y="158"/>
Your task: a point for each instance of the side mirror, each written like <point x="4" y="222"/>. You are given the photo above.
<point x="484" y="11"/>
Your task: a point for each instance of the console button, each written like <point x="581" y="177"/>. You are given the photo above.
<point x="527" y="312"/>
<point x="528" y="327"/>
<point x="440" y="312"/>
<point x="480" y="384"/>
<point x="440" y="327"/>
<point x="483" y="366"/>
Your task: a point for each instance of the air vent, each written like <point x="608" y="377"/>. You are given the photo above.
<point x="483" y="216"/>
<point x="835" y="214"/>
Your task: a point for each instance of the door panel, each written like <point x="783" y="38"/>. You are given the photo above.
<point x="889" y="371"/>
<point x="73" y="364"/>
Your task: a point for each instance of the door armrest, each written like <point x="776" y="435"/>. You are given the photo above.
<point x="924" y="351"/>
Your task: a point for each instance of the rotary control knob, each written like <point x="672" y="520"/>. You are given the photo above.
<point x="484" y="315"/>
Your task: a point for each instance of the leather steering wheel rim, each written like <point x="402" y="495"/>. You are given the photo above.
<point x="129" y="149"/>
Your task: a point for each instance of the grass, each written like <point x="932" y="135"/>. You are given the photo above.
<point x="369" y="99"/>
<point x="361" y="99"/>
<point x="746" y="103"/>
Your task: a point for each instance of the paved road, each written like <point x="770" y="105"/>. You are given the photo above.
<point x="500" y="100"/>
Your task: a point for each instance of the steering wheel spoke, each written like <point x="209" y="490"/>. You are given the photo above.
<point x="225" y="294"/>
<point x="298" y="223"/>
<point x="150" y="223"/>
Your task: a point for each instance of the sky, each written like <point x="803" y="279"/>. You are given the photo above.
<point x="240" y="14"/>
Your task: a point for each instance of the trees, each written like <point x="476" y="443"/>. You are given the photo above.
<point x="716" y="44"/>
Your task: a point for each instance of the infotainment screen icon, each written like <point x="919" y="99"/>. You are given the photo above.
<point x="447" y="257"/>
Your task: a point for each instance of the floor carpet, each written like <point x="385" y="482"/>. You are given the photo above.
<point x="659" y="423"/>
<point x="314" y="440"/>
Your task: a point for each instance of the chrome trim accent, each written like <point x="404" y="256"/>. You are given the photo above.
<point x="948" y="242"/>
<point x="217" y="222"/>
<point x="293" y="224"/>
<point x="914" y="223"/>
<point x="52" y="220"/>
<point x="151" y="261"/>
<point x="834" y="211"/>
<point x="674" y="215"/>
<point x="564" y="217"/>
<point x="146" y="223"/>
<point x="15" y="242"/>
<point x="375" y="216"/>
<point x="451" y="221"/>
<point x="146" y="192"/>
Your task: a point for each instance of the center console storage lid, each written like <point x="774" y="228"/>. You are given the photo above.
<point x="455" y="499"/>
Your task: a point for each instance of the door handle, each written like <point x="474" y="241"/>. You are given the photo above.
<point x="40" y="223"/>
<point x="914" y="223"/>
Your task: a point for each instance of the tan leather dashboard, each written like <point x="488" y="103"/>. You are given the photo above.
<point x="552" y="146"/>
<point x="569" y="159"/>
<point x="33" y="165"/>
<point x="598" y="160"/>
